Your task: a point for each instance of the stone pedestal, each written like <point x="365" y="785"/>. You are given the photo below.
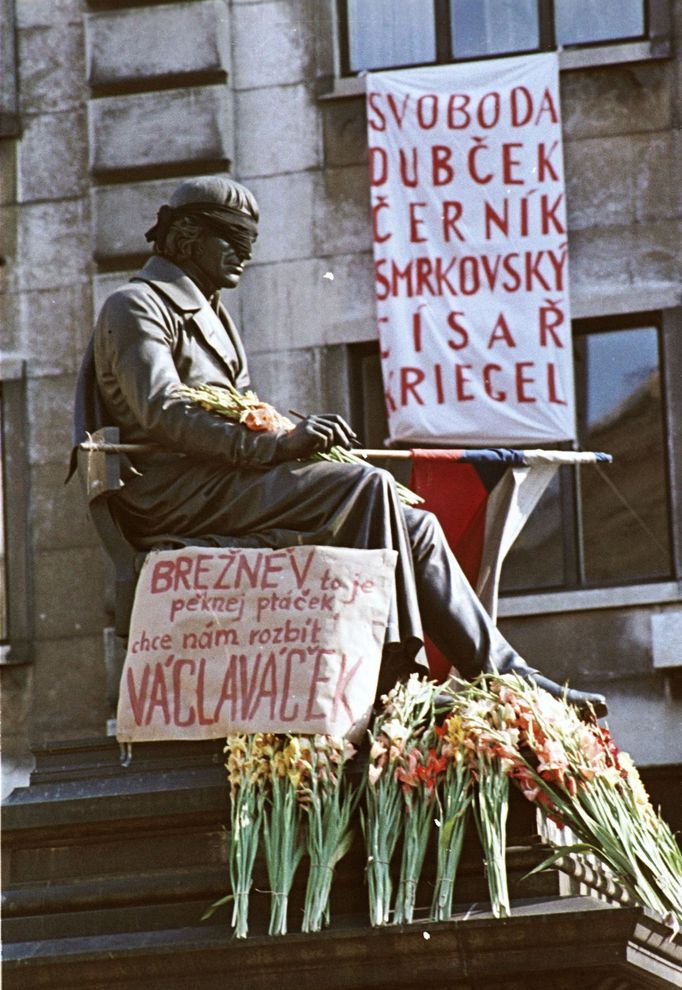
<point x="108" y="870"/>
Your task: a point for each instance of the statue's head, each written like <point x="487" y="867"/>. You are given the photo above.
<point x="208" y="228"/>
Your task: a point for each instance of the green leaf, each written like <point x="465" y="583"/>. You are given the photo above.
<point x="561" y="853"/>
<point x="209" y="912"/>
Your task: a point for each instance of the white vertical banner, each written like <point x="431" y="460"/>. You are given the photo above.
<point x="470" y="249"/>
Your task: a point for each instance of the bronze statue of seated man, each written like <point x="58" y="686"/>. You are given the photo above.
<point x="217" y="483"/>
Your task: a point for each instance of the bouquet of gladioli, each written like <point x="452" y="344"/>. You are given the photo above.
<point x="456" y="801"/>
<point x="407" y="712"/>
<point x="580" y="779"/>
<point x="419" y="774"/>
<point x="283" y="823"/>
<point x="247" y="408"/>
<point x="244" y="765"/>
<point x="329" y="803"/>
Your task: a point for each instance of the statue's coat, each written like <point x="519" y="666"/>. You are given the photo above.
<point x="216" y="482"/>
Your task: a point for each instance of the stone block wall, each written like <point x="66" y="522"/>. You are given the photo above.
<point x="119" y="101"/>
<point x="47" y="299"/>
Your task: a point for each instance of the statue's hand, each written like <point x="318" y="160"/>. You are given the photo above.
<point x="315" y="435"/>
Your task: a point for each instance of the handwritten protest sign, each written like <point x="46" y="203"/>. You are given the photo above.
<point x="225" y="640"/>
<point x="470" y="251"/>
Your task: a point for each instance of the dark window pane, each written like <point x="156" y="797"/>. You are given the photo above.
<point x="4" y="632"/>
<point x="384" y="33"/>
<point x="579" y="22"/>
<point x="536" y="561"/>
<point x="624" y="506"/>
<point x="489" y="27"/>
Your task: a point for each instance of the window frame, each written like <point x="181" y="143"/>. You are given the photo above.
<point x="655" y="44"/>
<point x="572" y="596"/>
<point x="17" y="646"/>
<point x="656" y="591"/>
<point x="9" y="96"/>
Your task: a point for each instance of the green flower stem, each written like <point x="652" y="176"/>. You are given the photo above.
<point x="456" y="802"/>
<point x="246" y="815"/>
<point x="283" y="849"/>
<point x="382" y="826"/>
<point x="328" y="839"/>
<point x="490" y="813"/>
<point x="417" y="827"/>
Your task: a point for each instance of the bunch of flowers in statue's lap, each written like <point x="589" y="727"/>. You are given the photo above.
<point x="246" y="408"/>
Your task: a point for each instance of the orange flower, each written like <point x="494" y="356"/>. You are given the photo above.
<point x="263" y="416"/>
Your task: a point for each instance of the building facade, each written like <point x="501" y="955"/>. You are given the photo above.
<point x="107" y="104"/>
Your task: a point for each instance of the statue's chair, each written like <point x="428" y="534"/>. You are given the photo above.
<point x="99" y="469"/>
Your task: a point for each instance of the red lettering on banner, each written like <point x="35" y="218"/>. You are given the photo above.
<point x="452" y="212"/>
<point x="473" y="165"/>
<point x="417" y="331"/>
<point x="315" y="680"/>
<point x="381" y="204"/>
<point x="490" y="269"/>
<point x="229" y="690"/>
<point x="490" y="391"/>
<point x="285" y="715"/>
<point x="427" y="118"/>
<point x="459" y="117"/>
<point x="521" y="115"/>
<point x="549" y="214"/>
<point x="302" y="575"/>
<point x="544" y="163"/>
<point x="488" y="110"/>
<point x="461" y="381"/>
<point x="408" y="180"/>
<point x="440" y="392"/>
<point x="551" y="317"/>
<point x="158" y="696"/>
<point x="423" y="272"/>
<point x="510" y="164"/>
<point x="378" y="166"/>
<point x="219" y="583"/>
<point x="162" y="576"/>
<point x="138" y="700"/>
<point x="442" y="172"/>
<point x="398" y="115"/>
<point x="342" y="684"/>
<point x="501" y="331"/>
<point x="507" y="264"/>
<point x="469" y="276"/>
<point x="463" y="335"/>
<point x="522" y="380"/>
<point x="247" y="685"/>
<point x="267" y="687"/>
<point x="552" y="392"/>
<point x="547" y="106"/>
<point x="383" y="289"/>
<point x="377" y="123"/>
<point x="203" y="720"/>
<point x="444" y="284"/>
<point x="190" y="719"/>
<point x="272" y="568"/>
<point x="457" y="111"/>
<point x="410" y="378"/>
<point x="416" y="222"/>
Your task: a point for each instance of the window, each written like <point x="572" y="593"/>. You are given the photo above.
<point x="4" y="615"/>
<point x="9" y="114"/>
<point x="15" y="597"/>
<point x="381" y="34"/>
<point x="606" y="525"/>
<point x="597" y="525"/>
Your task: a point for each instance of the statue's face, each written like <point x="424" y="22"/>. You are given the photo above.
<point x="219" y="262"/>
